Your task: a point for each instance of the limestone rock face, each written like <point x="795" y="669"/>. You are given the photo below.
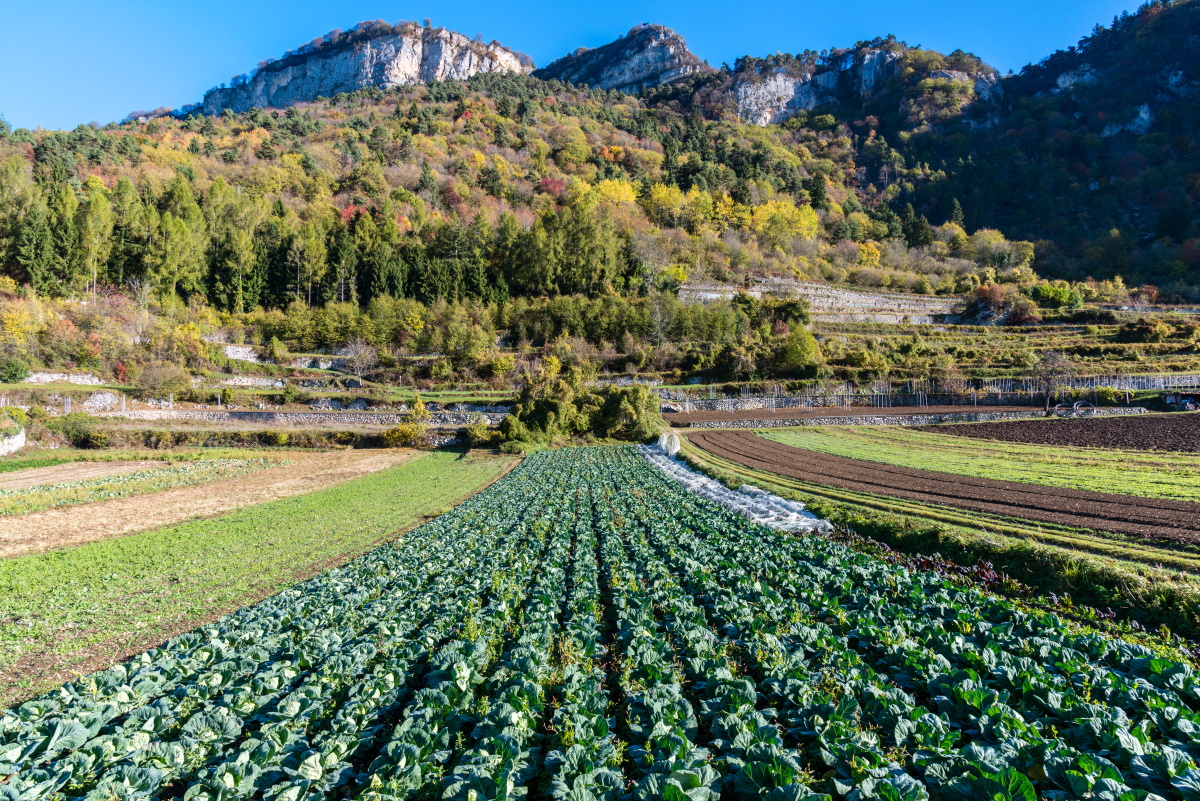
<point x="852" y="77"/>
<point x="647" y="56"/>
<point x="773" y="98"/>
<point x="385" y="61"/>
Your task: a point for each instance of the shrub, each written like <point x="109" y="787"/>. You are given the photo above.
<point x="161" y="379"/>
<point x="1023" y="311"/>
<point x="1144" y="330"/>
<point x="76" y="428"/>
<point x="480" y="436"/>
<point x="405" y="435"/>
<point x="18" y="416"/>
<point x="13" y="371"/>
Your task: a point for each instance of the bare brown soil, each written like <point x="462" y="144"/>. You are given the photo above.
<point x="75" y="471"/>
<point x="72" y="525"/>
<point x="1177" y="432"/>
<point x="1150" y="518"/>
<point x="682" y="418"/>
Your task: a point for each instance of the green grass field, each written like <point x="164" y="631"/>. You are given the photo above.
<point x="1149" y="475"/>
<point x="68" y="611"/>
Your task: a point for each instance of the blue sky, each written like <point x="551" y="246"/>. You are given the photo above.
<point x="65" y="62"/>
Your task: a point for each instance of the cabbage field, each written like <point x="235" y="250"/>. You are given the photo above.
<point x="587" y="628"/>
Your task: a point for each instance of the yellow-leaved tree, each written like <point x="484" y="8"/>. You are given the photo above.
<point x="778" y="221"/>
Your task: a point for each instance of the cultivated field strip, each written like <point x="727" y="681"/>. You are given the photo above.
<point x="1153" y="518"/>
<point x="588" y="629"/>
<point x="1175" y="432"/>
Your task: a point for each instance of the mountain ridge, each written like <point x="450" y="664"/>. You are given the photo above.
<point x="373" y="54"/>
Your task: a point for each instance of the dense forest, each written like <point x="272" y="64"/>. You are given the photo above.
<point x="1092" y="153"/>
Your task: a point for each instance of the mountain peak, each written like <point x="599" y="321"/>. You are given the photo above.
<point x="371" y="54"/>
<point x="649" y="55"/>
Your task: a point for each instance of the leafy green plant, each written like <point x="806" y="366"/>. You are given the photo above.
<point x="13" y="371"/>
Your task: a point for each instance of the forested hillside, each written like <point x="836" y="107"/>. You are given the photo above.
<point x="496" y="187"/>
<point x="457" y="217"/>
<point x="1094" y="155"/>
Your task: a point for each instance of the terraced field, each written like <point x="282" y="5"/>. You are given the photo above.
<point x="588" y="629"/>
<point x="1149" y="518"/>
<point x="942" y="449"/>
<point x="1176" y="432"/>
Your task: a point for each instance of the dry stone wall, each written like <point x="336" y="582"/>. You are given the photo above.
<point x="450" y="419"/>
<point x="82" y="379"/>
<point x="902" y="420"/>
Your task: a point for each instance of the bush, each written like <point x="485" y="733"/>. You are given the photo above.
<point x="76" y="428"/>
<point x="161" y="379"/>
<point x="14" y="371"/>
<point x="18" y="416"/>
<point x="277" y="351"/>
<point x="480" y="436"/>
<point x="405" y="435"/>
<point x="1144" y="330"/>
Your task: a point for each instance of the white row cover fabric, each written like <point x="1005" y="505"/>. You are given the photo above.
<point x="748" y="501"/>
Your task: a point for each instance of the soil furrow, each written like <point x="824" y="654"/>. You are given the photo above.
<point x="1175" y="432"/>
<point x="1157" y="519"/>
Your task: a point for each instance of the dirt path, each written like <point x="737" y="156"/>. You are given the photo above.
<point x="1151" y="518"/>
<point x="75" y="471"/>
<point x="59" y="528"/>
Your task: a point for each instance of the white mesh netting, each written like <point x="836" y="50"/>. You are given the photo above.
<point x="748" y="501"/>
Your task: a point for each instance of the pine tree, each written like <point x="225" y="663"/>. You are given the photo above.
<point x="427" y="185"/>
<point x="956" y="213"/>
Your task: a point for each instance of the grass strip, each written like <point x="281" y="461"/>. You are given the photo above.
<point x="9" y="466"/>
<point x="76" y="609"/>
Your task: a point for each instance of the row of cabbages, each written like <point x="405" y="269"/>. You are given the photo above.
<point x="588" y="629"/>
<point x="748" y="501"/>
<point x="287" y="697"/>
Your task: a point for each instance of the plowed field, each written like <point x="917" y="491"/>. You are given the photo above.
<point x="1150" y="518"/>
<point x="1178" y="432"/>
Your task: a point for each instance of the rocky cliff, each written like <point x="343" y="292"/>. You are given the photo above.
<point x="386" y="57"/>
<point x="647" y="56"/>
<point x="767" y="92"/>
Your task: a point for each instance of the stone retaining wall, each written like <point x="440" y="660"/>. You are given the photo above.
<point x="300" y="418"/>
<point x="63" y="378"/>
<point x="902" y="420"/>
<point x="10" y="445"/>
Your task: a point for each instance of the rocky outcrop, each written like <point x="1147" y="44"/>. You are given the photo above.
<point x="763" y="99"/>
<point x="774" y="94"/>
<point x="12" y="444"/>
<point x="1140" y="125"/>
<point x="394" y="58"/>
<point x="647" y="56"/>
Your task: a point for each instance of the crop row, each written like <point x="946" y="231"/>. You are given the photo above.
<point x="588" y="628"/>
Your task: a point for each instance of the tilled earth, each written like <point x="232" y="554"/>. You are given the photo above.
<point x="1151" y="518"/>
<point x="1177" y="431"/>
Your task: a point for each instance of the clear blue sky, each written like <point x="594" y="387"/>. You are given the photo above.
<point x="65" y="62"/>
